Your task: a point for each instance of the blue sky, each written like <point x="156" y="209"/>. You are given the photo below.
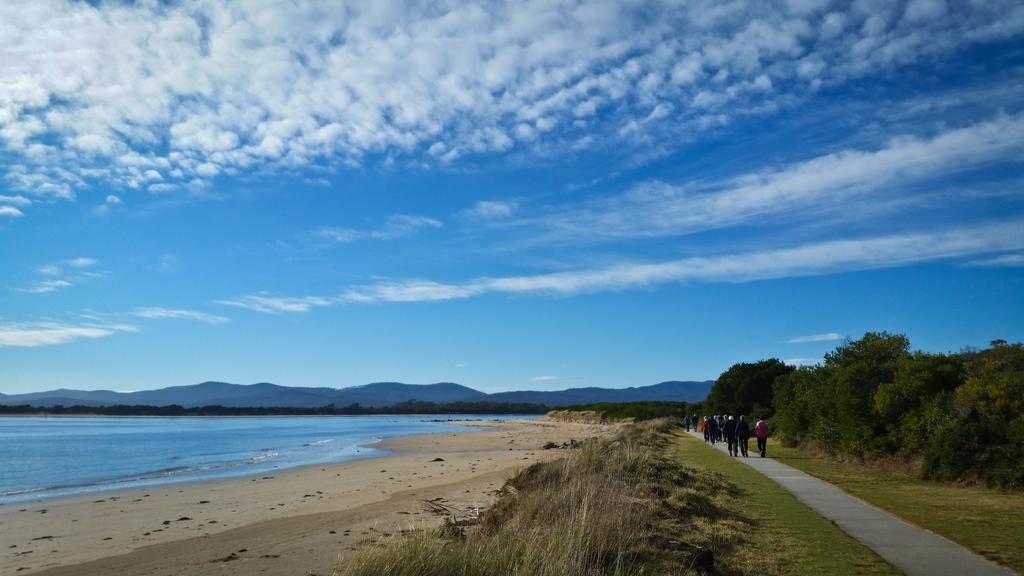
<point x="516" y="195"/>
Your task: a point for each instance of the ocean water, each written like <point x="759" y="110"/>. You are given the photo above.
<point x="42" y="458"/>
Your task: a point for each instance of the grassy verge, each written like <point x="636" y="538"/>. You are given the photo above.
<point x="988" y="521"/>
<point x="787" y="537"/>
<point x="610" y="507"/>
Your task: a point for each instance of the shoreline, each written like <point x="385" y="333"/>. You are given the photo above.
<point x="149" y="479"/>
<point x="98" y="532"/>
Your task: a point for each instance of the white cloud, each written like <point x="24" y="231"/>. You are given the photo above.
<point x="59" y="280"/>
<point x="655" y="209"/>
<point x="337" y="235"/>
<point x="51" y="333"/>
<point x="11" y="212"/>
<point x="411" y="291"/>
<point x="394" y="227"/>
<point x="15" y="200"/>
<point x="809" y="259"/>
<point x="923" y="10"/>
<point x="111" y="199"/>
<point x="82" y="262"/>
<point x="276" y="304"/>
<point x="812" y="259"/>
<point x="490" y="210"/>
<point x="827" y="337"/>
<point x="157" y="313"/>
<point x="1003" y="261"/>
<point x="542" y="378"/>
<point x="799" y="362"/>
<point x="45" y="286"/>
<point x="168" y="92"/>
<point x="402" y="225"/>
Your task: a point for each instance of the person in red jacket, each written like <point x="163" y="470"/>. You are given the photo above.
<point x="761" y="430"/>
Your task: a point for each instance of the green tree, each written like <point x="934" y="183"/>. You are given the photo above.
<point x="796" y="398"/>
<point x="916" y="402"/>
<point x="985" y="436"/>
<point x="746" y="388"/>
<point x="856" y="370"/>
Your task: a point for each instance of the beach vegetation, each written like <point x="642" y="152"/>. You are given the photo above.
<point x="613" y="506"/>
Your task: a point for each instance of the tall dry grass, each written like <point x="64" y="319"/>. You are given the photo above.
<point x="610" y="507"/>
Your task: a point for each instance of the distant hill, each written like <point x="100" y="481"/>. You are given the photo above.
<point x="378" y="394"/>
<point x="672" y="390"/>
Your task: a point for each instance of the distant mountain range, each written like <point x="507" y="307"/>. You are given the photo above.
<point x="378" y="394"/>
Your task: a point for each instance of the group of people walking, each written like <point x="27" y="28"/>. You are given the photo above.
<point x="734" y="431"/>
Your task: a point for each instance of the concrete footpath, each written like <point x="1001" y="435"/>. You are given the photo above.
<point x="910" y="548"/>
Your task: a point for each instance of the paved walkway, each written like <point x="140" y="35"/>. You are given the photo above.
<point x="910" y="548"/>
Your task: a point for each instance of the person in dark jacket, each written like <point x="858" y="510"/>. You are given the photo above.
<point x="713" y="430"/>
<point x="729" y="431"/>
<point x="743" y="435"/>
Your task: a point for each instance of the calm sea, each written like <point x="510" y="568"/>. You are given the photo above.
<point x="62" y="456"/>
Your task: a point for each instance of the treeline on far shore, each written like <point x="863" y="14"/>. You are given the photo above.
<point x="408" y="407"/>
<point x="960" y="414"/>
<point x="637" y="411"/>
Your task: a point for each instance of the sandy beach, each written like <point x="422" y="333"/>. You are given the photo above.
<point x="293" y="521"/>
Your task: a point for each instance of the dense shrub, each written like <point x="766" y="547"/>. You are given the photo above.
<point x="964" y="412"/>
<point x="984" y="439"/>
<point x="746" y="388"/>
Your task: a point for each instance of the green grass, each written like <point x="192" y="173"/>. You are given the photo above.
<point x="988" y="521"/>
<point x="787" y="536"/>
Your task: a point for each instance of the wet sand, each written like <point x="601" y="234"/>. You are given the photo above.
<point x="292" y="521"/>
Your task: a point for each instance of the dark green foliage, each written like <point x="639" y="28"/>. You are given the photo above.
<point x="797" y="400"/>
<point x="915" y="403"/>
<point x="746" y="388"/>
<point x="835" y="404"/>
<point x="963" y="412"/>
<point x="408" y="407"/>
<point x="856" y="370"/>
<point x="984" y="438"/>
<point x="636" y="410"/>
<point x="988" y="450"/>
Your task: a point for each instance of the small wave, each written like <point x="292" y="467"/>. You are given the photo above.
<point x="23" y="492"/>
<point x="163" y="473"/>
<point x="319" y="442"/>
<point x="144" y="477"/>
<point x="263" y="456"/>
